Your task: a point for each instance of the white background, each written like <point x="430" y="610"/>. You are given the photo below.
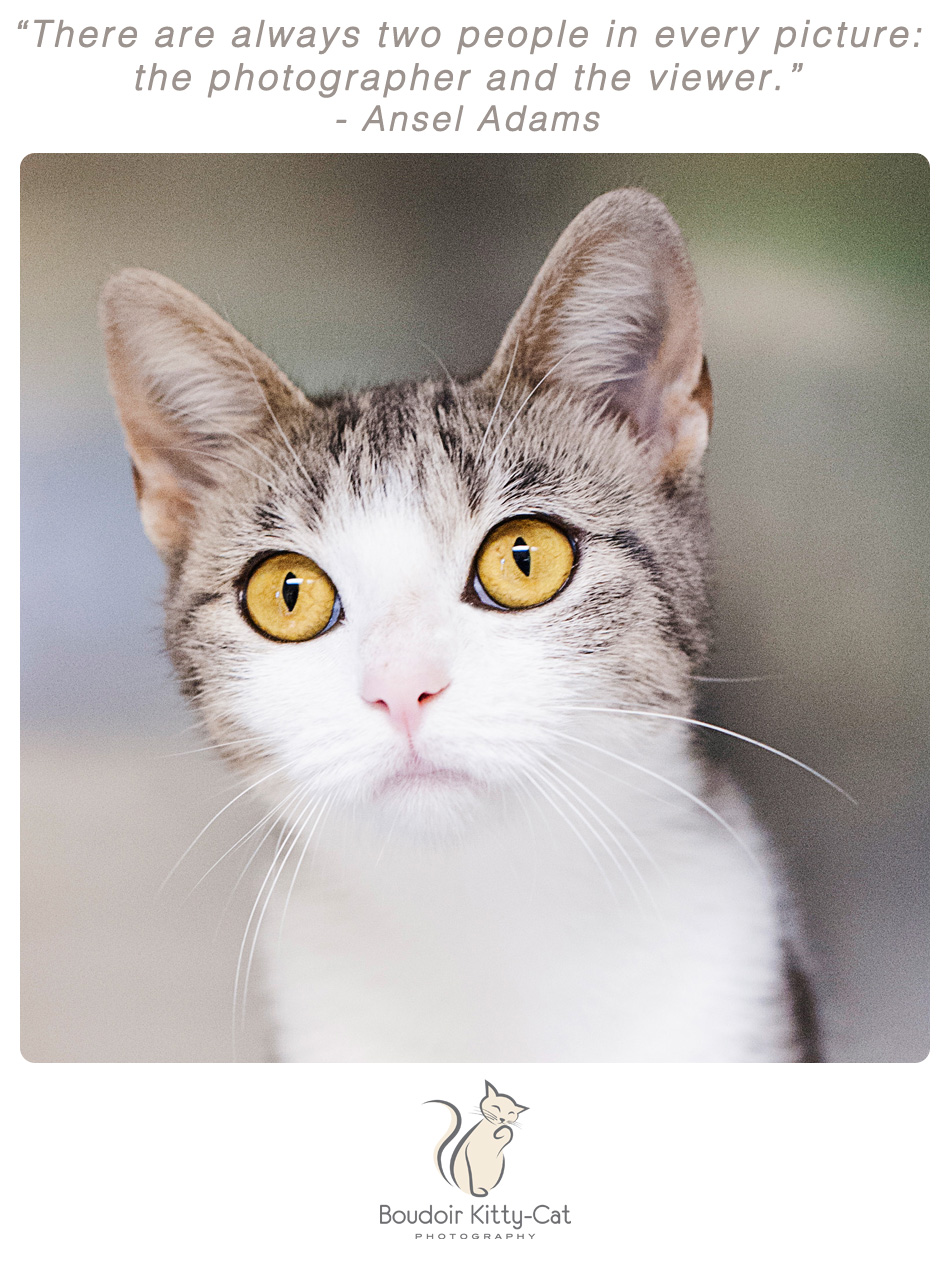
<point x="665" y="1163"/>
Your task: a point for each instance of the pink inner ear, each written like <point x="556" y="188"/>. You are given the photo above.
<point x="614" y="315"/>
<point x="188" y="386"/>
<point x="629" y="392"/>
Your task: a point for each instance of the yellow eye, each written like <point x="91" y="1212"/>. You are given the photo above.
<point x="523" y="562"/>
<point x="288" y="597"/>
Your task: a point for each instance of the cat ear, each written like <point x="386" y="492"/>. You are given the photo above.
<point x="614" y="316"/>
<point x="490" y="1090"/>
<point x="189" y="389"/>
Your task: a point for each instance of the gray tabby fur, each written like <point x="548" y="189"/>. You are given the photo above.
<point x="593" y="414"/>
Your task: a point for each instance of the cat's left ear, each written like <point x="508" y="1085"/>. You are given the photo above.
<point x="490" y="1090"/>
<point x="614" y="317"/>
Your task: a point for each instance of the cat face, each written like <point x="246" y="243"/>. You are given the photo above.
<point x="499" y="1108"/>
<point x="399" y="599"/>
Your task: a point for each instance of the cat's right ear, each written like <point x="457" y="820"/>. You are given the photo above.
<point x="190" y="392"/>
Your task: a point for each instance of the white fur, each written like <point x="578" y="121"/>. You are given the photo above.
<point x="511" y="944"/>
<point x="513" y="916"/>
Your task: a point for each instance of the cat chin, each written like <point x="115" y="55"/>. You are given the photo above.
<point x="435" y="804"/>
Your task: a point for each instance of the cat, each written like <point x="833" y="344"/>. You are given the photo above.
<point x="449" y="631"/>
<point x="477" y="1163"/>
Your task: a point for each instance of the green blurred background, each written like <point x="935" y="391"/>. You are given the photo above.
<point x="354" y="269"/>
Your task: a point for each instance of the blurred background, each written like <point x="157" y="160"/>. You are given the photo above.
<point x="349" y="270"/>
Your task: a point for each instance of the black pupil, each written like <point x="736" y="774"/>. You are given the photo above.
<point x="290" y="590"/>
<point x="522" y="555"/>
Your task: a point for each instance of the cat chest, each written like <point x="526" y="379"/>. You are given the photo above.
<point x="437" y="975"/>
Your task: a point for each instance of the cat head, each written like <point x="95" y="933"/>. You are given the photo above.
<point x="499" y="1108"/>
<point x="400" y="597"/>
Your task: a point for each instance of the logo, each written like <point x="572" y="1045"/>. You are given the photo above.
<point x="476" y="1164"/>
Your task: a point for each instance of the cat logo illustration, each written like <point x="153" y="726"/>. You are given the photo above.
<point x="477" y="1163"/>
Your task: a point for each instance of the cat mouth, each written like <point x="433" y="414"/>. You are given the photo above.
<point x="420" y="775"/>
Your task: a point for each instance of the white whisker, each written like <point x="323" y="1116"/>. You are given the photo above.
<point x="730" y="733"/>
<point x="622" y="780"/>
<point x="290" y="838"/>
<point x="250" y="861"/>
<point x="570" y="823"/>
<point x="216" y="456"/>
<point x="606" y="807"/>
<point x="263" y="910"/>
<point x="681" y="789"/>
<point x="635" y="837"/>
<point x="328" y="800"/>
<point x="585" y="814"/>
<point x="452" y="383"/>
<point x="271" y="812"/>
<point x="272" y="773"/>
<point x="524" y="402"/>
<point x="273" y="416"/>
<point x="386" y="841"/>
<point x="283" y="831"/>
<point x="214" y="746"/>
<point x="501" y="396"/>
<point x="188" y="415"/>
<point x="734" y="680"/>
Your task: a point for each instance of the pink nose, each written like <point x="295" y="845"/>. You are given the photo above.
<point x="403" y="692"/>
